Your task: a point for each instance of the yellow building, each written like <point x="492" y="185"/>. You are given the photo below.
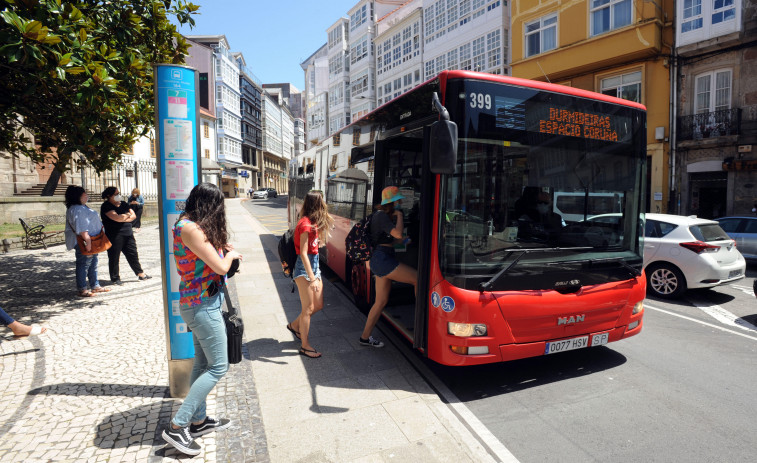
<point x="616" y="47"/>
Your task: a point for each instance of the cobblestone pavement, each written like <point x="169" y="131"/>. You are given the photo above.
<point x="95" y="386"/>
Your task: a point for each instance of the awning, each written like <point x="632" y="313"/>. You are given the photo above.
<point x="209" y="164"/>
<point x="351" y="174"/>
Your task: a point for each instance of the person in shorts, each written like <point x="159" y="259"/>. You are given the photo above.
<point x="387" y="226"/>
<point x="311" y="232"/>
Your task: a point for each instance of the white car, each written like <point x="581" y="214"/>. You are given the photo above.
<point x="260" y="194"/>
<point x="683" y="253"/>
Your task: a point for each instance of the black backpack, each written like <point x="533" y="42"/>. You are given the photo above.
<point x="358" y="241"/>
<point x="287" y="252"/>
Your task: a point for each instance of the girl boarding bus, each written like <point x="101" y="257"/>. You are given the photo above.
<point x="479" y="159"/>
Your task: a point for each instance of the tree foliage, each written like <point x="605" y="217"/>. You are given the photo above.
<point x="77" y="75"/>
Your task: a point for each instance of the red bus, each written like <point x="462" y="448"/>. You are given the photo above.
<point x="475" y="155"/>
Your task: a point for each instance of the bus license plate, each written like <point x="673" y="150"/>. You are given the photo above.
<point x="576" y="343"/>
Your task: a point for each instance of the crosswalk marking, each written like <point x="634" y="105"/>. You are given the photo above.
<point x="711" y="325"/>
<point x="722" y="315"/>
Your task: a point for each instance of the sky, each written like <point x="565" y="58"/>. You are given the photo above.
<point x="274" y="36"/>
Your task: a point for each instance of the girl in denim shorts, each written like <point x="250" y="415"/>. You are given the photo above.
<point x="311" y="232"/>
<point x="387" y="226"/>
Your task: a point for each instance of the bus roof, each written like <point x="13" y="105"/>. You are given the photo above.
<point x="444" y="76"/>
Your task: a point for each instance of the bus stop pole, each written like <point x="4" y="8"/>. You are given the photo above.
<point x="177" y="112"/>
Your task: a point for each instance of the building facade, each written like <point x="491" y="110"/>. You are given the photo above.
<point x="316" y="68"/>
<point x="617" y="47"/>
<point x="470" y="35"/>
<point x="277" y="146"/>
<point x="399" y="51"/>
<point x="250" y="107"/>
<point x="339" y="75"/>
<point x="715" y="161"/>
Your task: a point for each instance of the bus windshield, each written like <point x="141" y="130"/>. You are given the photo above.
<point x="539" y="171"/>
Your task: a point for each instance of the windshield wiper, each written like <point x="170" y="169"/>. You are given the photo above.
<point x="487" y="285"/>
<point x="620" y="260"/>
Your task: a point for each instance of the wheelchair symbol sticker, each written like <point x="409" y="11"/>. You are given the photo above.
<point x="435" y="299"/>
<point x="448" y="304"/>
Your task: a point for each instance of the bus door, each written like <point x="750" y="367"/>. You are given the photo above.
<point x="400" y="162"/>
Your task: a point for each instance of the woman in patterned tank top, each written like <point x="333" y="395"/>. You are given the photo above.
<point x="203" y="257"/>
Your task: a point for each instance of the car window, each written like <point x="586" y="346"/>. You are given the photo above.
<point x="729" y="225"/>
<point x="751" y="226"/>
<point x="708" y="232"/>
<point x="657" y="229"/>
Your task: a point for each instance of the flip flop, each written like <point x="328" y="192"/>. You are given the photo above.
<point x="296" y="333"/>
<point x="100" y="289"/>
<point x="35" y="331"/>
<point x="307" y="352"/>
<point x="86" y="293"/>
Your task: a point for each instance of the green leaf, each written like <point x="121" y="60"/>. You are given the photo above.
<point x="82" y="35"/>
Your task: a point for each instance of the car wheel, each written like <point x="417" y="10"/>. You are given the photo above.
<point x="665" y="280"/>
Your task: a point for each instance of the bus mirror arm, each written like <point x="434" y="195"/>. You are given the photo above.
<point x="442" y="148"/>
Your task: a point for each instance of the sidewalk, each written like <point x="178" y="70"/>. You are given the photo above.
<point x="95" y="386"/>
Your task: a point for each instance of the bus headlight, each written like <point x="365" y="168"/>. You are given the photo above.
<point x="466" y="329"/>
<point x="638" y="307"/>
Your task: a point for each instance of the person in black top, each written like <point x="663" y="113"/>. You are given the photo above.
<point x="117" y="218"/>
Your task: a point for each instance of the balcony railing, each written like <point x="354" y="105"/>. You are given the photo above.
<point x="709" y="125"/>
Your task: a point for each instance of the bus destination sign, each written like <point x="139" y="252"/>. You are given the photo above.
<point x="578" y="124"/>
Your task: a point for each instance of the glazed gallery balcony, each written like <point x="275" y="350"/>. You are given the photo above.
<point x="709" y="125"/>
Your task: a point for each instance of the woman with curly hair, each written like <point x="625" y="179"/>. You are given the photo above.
<point x="203" y="258"/>
<point x="311" y="232"/>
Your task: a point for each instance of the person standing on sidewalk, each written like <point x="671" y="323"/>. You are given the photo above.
<point x="203" y="258"/>
<point x="117" y="217"/>
<point x="18" y="328"/>
<point x="311" y="232"/>
<point x="136" y="203"/>
<point x="85" y="222"/>
<point x="383" y="262"/>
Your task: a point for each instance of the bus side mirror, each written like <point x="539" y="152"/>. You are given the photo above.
<point x="442" y="148"/>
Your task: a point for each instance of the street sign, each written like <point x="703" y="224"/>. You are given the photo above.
<point x="177" y="136"/>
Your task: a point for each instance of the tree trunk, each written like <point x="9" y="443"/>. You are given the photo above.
<point x="52" y="183"/>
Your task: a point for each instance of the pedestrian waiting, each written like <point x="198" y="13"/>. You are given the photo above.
<point x="117" y="217"/>
<point x="203" y="258"/>
<point x="19" y="329"/>
<point x="85" y="223"/>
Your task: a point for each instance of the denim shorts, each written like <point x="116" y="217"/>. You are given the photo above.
<point x="383" y="261"/>
<point x="299" y="267"/>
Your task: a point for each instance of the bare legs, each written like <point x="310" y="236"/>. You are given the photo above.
<point x="404" y="274"/>
<point x="311" y="298"/>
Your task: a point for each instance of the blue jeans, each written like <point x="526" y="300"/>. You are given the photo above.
<point x="211" y="357"/>
<point x="86" y="268"/>
<point x="5" y="319"/>
<point x="299" y="267"/>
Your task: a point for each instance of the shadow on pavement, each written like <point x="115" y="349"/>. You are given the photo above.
<point x="101" y="389"/>
<point x="477" y="382"/>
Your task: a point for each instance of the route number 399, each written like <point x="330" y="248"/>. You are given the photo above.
<point x="480" y="101"/>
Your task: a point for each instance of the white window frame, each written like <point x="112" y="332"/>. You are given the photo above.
<point x="611" y="6"/>
<point x="543" y="24"/>
<point x="712" y="90"/>
<point x="626" y="79"/>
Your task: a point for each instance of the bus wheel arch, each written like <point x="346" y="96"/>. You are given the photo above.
<point x="665" y="280"/>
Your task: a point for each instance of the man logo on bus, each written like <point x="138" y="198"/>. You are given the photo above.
<point x="448" y="304"/>
<point x="570" y="320"/>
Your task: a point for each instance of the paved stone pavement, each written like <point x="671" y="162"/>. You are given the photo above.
<point x="95" y="386"/>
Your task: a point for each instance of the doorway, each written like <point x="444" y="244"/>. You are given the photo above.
<point x="709" y="194"/>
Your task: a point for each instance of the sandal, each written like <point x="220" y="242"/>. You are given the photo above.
<point x="296" y="333"/>
<point x="86" y="293"/>
<point x="100" y="289"/>
<point x="307" y="352"/>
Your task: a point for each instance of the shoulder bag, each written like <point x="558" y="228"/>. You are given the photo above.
<point x="234" y="330"/>
<point x="100" y="242"/>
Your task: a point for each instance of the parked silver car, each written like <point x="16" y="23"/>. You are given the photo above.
<point x="744" y="231"/>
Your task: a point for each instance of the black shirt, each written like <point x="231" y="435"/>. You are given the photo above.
<point x="113" y="228"/>
<point x="381" y="226"/>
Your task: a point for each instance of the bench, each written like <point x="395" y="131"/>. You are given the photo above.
<point x="34" y="229"/>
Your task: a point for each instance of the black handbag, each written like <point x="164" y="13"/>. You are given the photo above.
<point x="234" y="330"/>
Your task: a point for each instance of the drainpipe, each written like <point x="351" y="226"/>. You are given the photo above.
<point x="673" y="119"/>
